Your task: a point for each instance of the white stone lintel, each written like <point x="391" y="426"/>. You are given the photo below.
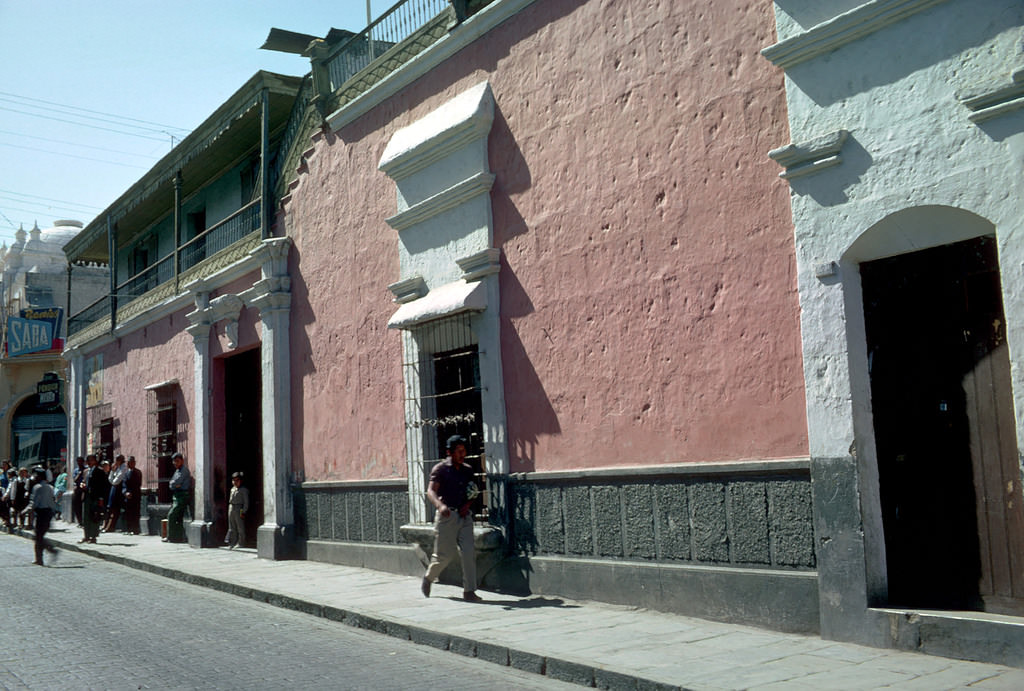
<point x="450" y="127"/>
<point x="443" y="301"/>
<point x="991" y="102"/>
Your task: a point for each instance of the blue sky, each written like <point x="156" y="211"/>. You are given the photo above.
<point x="93" y="91"/>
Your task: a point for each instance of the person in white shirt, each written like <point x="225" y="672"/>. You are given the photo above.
<point x="115" y="499"/>
<point x="43" y="504"/>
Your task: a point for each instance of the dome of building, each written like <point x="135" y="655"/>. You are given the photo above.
<point x="61" y="232"/>
<point x="41" y="255"/>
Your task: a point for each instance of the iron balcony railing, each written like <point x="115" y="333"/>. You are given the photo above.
<point x="394" y="26"/>
<point x="224" y="234"/>
<point x="212" y="240"/>
<point x="145" y="281"/>
<point x="93" y="313"/>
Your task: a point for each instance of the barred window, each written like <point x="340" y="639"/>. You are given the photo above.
<point x="441" y="364"/>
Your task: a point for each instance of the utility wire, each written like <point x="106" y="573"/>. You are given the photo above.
<point x="82" y="158"/>
<point x="87" y="110"/>
<point x="44" y="212"/>
<point x="84" y="146"/>
<point x="20" y="197"/>
<point x="84" y="124"/>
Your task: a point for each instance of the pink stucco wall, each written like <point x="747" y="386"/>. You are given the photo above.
<point x="649" y="311"/>
<point x="157" y="353"/>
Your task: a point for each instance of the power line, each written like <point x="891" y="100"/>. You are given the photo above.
<point x="44" y="212"/>
<point x="84" y="124"/>
<point x="87" y="110"/>
<point x="82" y="158"/>
<point x="84" y="146"/>
<point x="19" y="196"/>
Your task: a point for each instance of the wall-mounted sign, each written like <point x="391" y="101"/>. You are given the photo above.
<point x="36" y="330"/>
<point x="94" y="380"/>
<point x="48" y="389"/>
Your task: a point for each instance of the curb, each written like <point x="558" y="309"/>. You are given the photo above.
<point x="556" y="668"/>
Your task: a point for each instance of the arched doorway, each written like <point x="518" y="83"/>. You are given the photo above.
<point x="941" y="402"/>
<point x="38" y="435"/>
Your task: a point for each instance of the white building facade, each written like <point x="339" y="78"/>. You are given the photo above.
<point x="905" y="159"/>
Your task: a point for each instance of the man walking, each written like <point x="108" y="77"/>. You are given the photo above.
<point x="180" y="486"/>
<point x="451" y="490"/>
<point x="238" y="506"/>
<point x="42" y="503"/>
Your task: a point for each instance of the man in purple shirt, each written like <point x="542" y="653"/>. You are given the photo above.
<point x="451" y="481"/>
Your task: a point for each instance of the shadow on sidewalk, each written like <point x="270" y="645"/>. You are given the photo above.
<point x="525" y="603"/>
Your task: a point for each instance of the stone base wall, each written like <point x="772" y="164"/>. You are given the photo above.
<point x="731" y="542"/>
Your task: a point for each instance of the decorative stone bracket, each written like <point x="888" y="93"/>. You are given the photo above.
<point x="986" y="104"/>
<point x="811" y="157"/>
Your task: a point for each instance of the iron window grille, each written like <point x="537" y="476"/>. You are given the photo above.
<point x="441" y="367"/>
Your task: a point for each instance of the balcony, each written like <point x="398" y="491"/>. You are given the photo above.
<point x="235" y="227"/>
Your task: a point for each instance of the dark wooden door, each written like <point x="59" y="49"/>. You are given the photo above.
<point x="243" y="428"/>
<point x="944" y="428"/>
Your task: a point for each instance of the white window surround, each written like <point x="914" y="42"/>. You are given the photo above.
<point x="447" y="262"/>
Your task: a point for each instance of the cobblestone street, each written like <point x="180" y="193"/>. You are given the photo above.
<point x="83" y="623"/>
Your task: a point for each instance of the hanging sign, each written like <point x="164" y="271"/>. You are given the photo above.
<point x="48" y="391"/>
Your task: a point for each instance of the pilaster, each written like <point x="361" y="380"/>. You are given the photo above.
<point x="202" y="518"/>
<point x="271" y="295"/>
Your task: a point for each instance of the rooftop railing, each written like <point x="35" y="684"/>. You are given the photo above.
<point x="394" y="26"/>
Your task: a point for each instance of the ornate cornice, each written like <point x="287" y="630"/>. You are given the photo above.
<point x="450" y="198"/>
<point x="843" y="29"/>
<point x="810" y="157"/>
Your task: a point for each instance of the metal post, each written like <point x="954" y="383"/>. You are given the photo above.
<point x="265" y="192"/>
<point x="67" y="308"/>
<point x="177" y="228"/>
<point x="112" y="254"/>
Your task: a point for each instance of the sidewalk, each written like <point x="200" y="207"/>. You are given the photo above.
<point x="588" y="643"/>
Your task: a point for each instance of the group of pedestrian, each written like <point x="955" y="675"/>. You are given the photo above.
<point x="28" y="501"/>
<point x="101" y="492"/>
<point x="15" y="489"/>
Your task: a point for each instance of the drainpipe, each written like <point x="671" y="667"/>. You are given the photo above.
<point x="177" y="227"/>
<point x="112" y="252"/>
<point x="265" y="201"/>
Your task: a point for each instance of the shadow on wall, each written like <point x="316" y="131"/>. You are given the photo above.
<point x="529" y="410"/>
<point x="301" y="353"/>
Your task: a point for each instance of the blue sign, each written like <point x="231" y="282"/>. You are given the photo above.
<point x="28" y="336"/>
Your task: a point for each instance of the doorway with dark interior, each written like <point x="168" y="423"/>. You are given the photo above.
<point x="243" y="433"/>
<point x="945" y="439"/>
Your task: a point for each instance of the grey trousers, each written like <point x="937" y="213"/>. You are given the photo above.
<point x="453" y="534"/>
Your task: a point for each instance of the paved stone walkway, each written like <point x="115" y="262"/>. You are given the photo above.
<point x="588" y="643"/>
